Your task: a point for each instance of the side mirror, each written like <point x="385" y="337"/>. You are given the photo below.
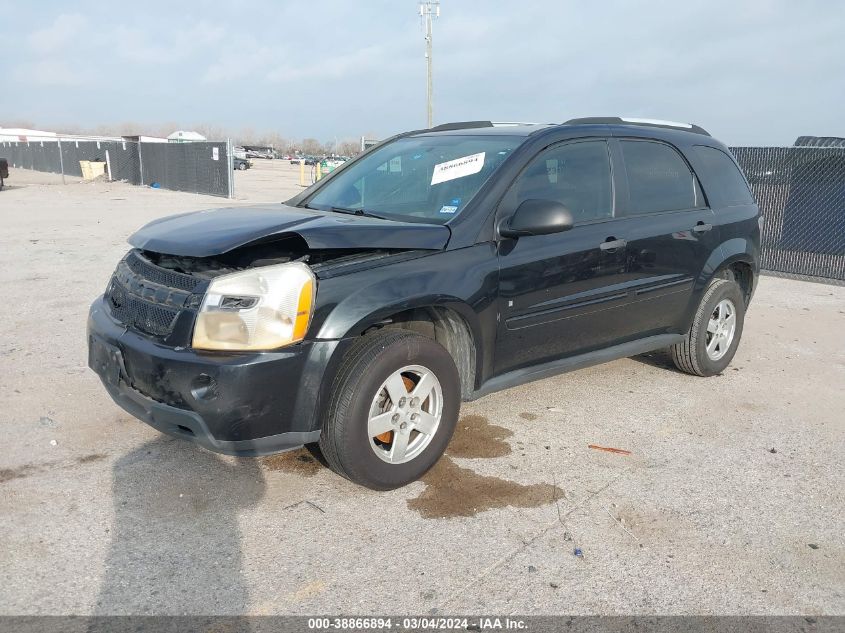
<point x="537" y="217"/>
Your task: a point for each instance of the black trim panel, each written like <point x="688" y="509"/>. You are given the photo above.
<point x="571" y="363"/>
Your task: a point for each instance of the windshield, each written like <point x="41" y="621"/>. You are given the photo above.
<point x="423" y="179"/>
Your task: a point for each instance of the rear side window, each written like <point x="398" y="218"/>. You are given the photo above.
<point x="658" y="178"/>
<point x="722" y="177"/>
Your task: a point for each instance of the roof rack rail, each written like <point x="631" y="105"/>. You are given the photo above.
<point x="460" y="125"/>
<point x="616" y="120"/>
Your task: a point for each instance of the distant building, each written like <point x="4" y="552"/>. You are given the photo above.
<point x="820" y="141"/>
<point x="184" y="136"/>
<point x="140" y="138"/>
<point x="23" y="135"/>
<point x="367" y="143"/>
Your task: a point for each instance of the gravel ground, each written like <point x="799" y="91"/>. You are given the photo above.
<point x="731" y="501"/>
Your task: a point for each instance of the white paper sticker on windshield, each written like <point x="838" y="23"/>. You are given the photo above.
<point x="458" y="168"/>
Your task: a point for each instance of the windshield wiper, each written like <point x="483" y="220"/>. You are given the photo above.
<point x="356" y="212"/>
<point x="346" y="210"/>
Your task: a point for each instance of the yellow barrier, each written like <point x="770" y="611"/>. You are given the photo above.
<point x="92" y="169"/>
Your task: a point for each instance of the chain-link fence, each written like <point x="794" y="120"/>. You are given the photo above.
<point x="800" y="190"/>
<point x="195" y="167"/>
<point x="199" y="167"/>
<point x="801" y="193"/>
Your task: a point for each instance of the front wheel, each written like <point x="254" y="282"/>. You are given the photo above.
<point x="393" y="409"/>
<point x="712" y="341"/>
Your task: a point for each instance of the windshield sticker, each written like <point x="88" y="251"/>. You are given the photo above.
<point x="448" y="208"/>
<point x="458" y="168"/>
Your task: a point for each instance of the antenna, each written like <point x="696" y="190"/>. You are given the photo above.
<point x="429" y="10"/>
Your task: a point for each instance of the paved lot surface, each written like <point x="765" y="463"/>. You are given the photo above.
<point x="270" y="181"/>
<point x="731" y="500"/>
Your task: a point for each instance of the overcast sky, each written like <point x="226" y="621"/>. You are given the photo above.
<point x="750" y="71"/>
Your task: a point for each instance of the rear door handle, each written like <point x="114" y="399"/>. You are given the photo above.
<point x="610" y="244"/>
<point x="701" y="227"/>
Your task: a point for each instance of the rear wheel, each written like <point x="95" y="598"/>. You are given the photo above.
<point x="393" y="409"/>
<point x="712" y="341"/>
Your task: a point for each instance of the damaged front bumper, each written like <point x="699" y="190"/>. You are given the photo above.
<point x="233" y="403"/>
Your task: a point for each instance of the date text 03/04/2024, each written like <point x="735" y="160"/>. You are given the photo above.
<point x="417" y="624"/>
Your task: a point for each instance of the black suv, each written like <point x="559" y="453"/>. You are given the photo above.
<point x="439" y="266"/>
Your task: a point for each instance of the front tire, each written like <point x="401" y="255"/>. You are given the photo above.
<point x="713" y="339"/>
<point x="393" y="409"/>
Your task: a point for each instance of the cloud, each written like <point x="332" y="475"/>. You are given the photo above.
<point x="173" y="43"/>
<point x="60" y="34"/>
<point x="52" y="72"/>
<point x="240" y="61"/>
<point x="331" y="65"/>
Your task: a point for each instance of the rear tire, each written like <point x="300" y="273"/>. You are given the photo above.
<point x="393" y="409"/>
<point x="712" y="341"/>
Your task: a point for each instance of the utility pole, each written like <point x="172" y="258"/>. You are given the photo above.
<point x="429" y="9"/>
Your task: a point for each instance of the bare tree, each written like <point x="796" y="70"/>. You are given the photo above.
<point x="349" y="147"/>
<point x="21" y="123"/>
<point x="212" y="132"/>
<point x="311" y="146"/>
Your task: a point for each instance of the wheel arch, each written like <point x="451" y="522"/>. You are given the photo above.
<point x="445" y="319"/>
<point x="736" y="259"/>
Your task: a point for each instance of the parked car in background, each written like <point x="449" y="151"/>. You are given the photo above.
<point x="4" y="172"/>
<point x="258" y="153"/>
<point x="441" y="266"/>
<point x="241" y="164"/>
<point x="330" y="163"/>
<point x="239" y="152"/>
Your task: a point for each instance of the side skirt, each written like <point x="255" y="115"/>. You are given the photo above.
<point x="571" y="363"/>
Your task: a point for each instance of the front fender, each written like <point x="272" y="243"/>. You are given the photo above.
<point x="464" y="280"/>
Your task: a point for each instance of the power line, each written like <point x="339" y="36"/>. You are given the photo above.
<point x="429" y="10"/>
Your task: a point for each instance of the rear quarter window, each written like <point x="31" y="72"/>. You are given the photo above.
<point x="722" y="178"/>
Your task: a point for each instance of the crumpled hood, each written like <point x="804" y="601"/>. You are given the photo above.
<point x="213" y="232"/>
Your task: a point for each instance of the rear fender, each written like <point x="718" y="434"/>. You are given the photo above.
<point x="734" y="250"/>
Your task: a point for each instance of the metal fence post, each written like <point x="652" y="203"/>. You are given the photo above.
<point x="140" y="166"/>
<point x="231" y="170"/>
<point x="61" y="161"/>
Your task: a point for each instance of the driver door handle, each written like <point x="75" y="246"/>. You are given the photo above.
<point x="611" y="244"/>
<point x="701" y="227"/>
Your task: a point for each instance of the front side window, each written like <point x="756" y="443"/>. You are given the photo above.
<point x="658" y="178"/>
<point x="422" y="178"/>
<point x="576" y="174"/>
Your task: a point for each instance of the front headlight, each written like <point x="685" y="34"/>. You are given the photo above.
<point x="258" y="309"/>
